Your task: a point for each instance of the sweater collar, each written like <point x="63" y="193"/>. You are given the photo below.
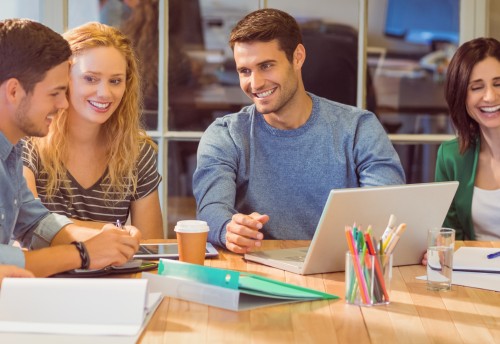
<point x="291" y="132"/>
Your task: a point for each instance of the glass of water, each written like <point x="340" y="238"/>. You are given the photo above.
<point x="440" y="247"/>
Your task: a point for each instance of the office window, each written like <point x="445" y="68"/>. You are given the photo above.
<point x="409" y="74"/>
<point x="200" y="84"/>
<point x="202" y="79"/>
<point x="404" y="79"/>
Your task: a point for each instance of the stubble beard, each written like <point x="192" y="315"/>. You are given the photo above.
<point x="281" y="102"/>
<point x="25" y="123"/>
<point x="288" y="91"/>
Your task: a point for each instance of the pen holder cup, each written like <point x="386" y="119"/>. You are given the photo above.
<point x="367" y="279"/>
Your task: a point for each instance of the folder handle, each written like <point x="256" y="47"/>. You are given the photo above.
<point x="204" y="274"/>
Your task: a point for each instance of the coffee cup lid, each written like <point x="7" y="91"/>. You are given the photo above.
<point x="191" y="226"/>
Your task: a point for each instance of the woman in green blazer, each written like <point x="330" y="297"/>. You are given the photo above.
<point x="473" y="158"/>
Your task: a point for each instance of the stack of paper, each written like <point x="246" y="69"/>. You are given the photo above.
<point x="472" y="268"/>
<point x="69" y="310"/>
<point x="475" y="259"/>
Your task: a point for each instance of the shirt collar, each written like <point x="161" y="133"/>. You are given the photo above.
<point x="5" y="147"/>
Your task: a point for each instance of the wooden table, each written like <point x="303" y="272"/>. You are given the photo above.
<point x="415" y="315"/>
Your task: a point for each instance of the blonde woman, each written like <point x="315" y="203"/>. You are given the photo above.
<point x="97" y="165"/>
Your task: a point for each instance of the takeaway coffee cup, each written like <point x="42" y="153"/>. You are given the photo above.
<point x="192" y="240"/>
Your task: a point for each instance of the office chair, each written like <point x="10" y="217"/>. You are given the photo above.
<point x="330" y="69"/>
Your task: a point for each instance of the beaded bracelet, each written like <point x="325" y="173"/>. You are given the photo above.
<point x="84" y="254"/>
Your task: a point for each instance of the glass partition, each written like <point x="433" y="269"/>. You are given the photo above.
<point x="404" y="83"/>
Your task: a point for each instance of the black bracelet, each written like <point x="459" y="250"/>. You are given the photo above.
<point x="84" y="254"/>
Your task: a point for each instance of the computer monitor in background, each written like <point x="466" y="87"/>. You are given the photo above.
<point x="423" y="21"/>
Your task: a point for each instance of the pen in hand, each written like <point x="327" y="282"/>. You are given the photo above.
<point x="119" y="224"/>
<point x="493" y="255"/>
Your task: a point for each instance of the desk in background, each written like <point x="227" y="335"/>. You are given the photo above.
<point x="411" y="100"/>
<point x="422" y="94"/>
<point x="415" y="315"/>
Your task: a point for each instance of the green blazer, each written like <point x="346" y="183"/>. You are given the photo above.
<point x="451" y="165"/>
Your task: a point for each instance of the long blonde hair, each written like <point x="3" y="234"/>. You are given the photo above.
<point x="123" y="128"/>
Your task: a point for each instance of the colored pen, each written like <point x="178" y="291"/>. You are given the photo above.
<point x="386" y="241"/>
<point x="357" y="267"/>
<point x="353" y="284"/>
<point x="394" y="239"/>
<point x="493" y="255"/>
<point x="378" y="270"/>
<point x="390" y="226"/>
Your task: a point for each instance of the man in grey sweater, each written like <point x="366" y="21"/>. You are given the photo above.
<point x="266" y="171"/>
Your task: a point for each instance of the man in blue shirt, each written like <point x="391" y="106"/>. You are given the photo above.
<point x="34" y="75"/>
<point x="267" y="170"/>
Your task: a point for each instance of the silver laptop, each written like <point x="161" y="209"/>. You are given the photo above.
<point x="421" y="206"/>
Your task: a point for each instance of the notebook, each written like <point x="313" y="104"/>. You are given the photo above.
<point x="67" y="310"/>
<point x="475" y="259"/>
<point x="421" y="206"/>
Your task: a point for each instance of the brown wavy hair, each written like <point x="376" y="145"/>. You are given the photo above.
<point x="266" y="25"/>
<point x="123" y="128"/>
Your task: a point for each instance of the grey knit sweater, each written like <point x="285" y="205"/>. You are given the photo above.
<point x="245" y="165"/>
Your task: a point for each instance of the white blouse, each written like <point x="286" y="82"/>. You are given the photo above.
<point x="486" y="214"/>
